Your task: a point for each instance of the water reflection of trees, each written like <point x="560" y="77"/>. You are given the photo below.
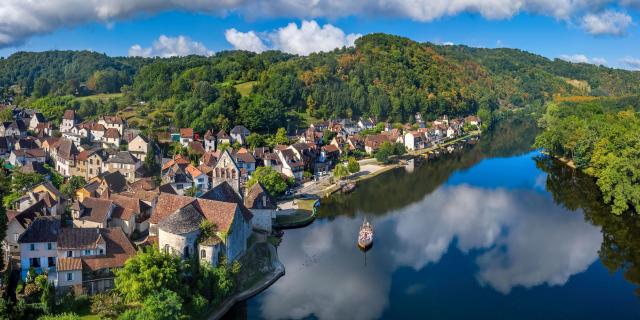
<point x="396" y="189"/>
<point x="620" y="249"/>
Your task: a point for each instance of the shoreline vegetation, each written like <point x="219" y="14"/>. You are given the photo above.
<point x="600" y="138"/>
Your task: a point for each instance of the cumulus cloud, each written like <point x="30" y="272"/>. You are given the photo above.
<point x="581" y="58"/>
<point x="631" y="62"/>
<point x="248" y="41"/>
<point x="21" y="19"/>
<point x="170" y="47"/>
<point x="608" y="22"/>
<point x="308" y="38"/>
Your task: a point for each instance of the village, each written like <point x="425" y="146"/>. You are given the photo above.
<point x="79" y="239"/>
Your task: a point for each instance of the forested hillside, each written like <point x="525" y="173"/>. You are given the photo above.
<point x="387" y="77"/>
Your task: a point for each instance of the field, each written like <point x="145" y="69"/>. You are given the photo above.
<point x="245" y="88"/>
<point x="102" y="96"/>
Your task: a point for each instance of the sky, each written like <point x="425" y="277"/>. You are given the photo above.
<point x="592" y="31"/>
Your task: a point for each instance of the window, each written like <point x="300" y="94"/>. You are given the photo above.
<point x="49" y="245"/>
<point x="16" y="236"/>
<point x="101" y="251"/>
<point x="51" y="261"/>
<point x="87" y="252"/>
<point x="34" y="262"/>
<point x="203" y="254"/>
<point x="32" y="247"/>
<point x="186" y="252"/>
<point x="166" y="248"/>
<point x="69" y="276"/>
<point x="179" y="187"/>
<point x="69" y="254"/>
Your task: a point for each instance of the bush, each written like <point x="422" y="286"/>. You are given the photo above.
<point x="353" y="165"/>
<point x="340" y="171"/>
<point x="107" y="305"/>
<point x="64" y="316"/>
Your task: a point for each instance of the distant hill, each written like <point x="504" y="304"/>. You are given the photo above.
<point x="384" y="76"/>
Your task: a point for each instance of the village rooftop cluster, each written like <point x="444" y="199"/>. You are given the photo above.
<point x="80" y="240"/>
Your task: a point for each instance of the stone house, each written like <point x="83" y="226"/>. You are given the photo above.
<point x="38" y="247"/>
<point x="125" y="163"/>
<point x="177" y="219"/>
<point x="92" y="212"/>
<point x="66" y="155"/>
<point x="69" y="120"/>
<point x="262" y="206"/>
<point x="186" y="136"/>
<point x="223" y="137"/>
<point x="209" y="141"/>
<point x="239" y="134"/>
<point x="139" y="147"/>
<point x="226" y="169"/>
<point x="23" y="157"/>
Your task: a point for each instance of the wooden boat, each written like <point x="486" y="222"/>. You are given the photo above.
<point x="349" y="187"/>
<point x="365" y="236"/>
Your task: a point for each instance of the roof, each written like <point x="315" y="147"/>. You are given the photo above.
<point x="67" y="149"/>
<point x="245" y="157"/>
<point x="30" y="153"/>
<point x="167" y="188"/>
<point x="222" y="135"/>
<point x="112" y="119"/>
<point x="209" y="135"/>
<point x="258" y="198"/>
<point x="211" y="240"/>
<point x="193" y="171"/>
<point x="43" y="229"/>
<point x="112" y="133"/>
<point x="210" y="158"/>
<point x="178" y="159"/>
<point x="146" y="184"/>
<point x="330" y="148"/>
<point x="69" y="115"/>
<point x="95" y="209"/>
<point x="69" y="264"/>
<point x="119" y="249"/>
<point x="184" y="220"/>
<point x="115" y="181"/>
<point x="34" y="167"/>
<point x="196" y="147"/>
<point x="186" y="133"/>
<point x="240" y="129"/>
<point x="218" y="212"/>
<point x="123" y="157"/>
<point x="28" y="215"/>
<point x="79" y="238"/>
<point x="128" y="206"/>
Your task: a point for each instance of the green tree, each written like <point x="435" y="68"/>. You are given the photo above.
<point x="270" y="179"/>
<point x="21" y="182"/>
<point x="255" y="140"/>
<point x="107" y="305"/>
<point x="6" y="114"/>
<point x="340" y="171"/>
<point x="353" y="165"/>
<point x="73" y="183"/>
<point x="261" y="114"/>
<point x="161" y="305"/>
<point x="41" y="87"/>
<point x="148" y="272"/>
<point x="63" y="316"/>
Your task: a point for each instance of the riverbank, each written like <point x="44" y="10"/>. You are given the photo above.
<point x="257" y="275"/>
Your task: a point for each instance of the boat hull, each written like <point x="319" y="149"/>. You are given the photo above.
<point x="365" y="245"/>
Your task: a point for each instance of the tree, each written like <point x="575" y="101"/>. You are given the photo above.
<point x="273" y="182"/>
<point x="63" y="316"/>
<point x="56" y="178"/>
<point x="279" y="138"/>
<point x="21" y="182"/>
<point x="148" y="272"/>
<point x="327" y="136"/>
<point x="353" y="165"/>
<point x="260" y="113"/>
<point x="6" y="114"/>
<point x="340" y="171"/>
<point x="73" y="183"/>
<point x="41" y="87"/>
<point x="150" y="164"/>
<point x="107" y="305"/>
<point x="161" y="305"/>
<point x="255" y="140"/>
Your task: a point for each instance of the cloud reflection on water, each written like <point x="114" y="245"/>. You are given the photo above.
<point x="517" y="238"/>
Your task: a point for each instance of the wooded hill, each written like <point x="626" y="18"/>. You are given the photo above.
<point x="384" y="76"/>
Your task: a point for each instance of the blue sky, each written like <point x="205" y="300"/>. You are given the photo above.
<point x="543" y="32"/>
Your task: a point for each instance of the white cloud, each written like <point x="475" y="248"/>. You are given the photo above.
<point x="245" y="40"/>
<point x="581" y="58"/>
<point x="20" y="20"/>
<point x="631" y="62"/>
<point x="308" y="38"/>
<point x="170" y="47"/>
<point x="608" y="22"/>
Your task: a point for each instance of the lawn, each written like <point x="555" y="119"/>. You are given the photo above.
<point x="102" y="96"/>
<point x="245" y="88"/>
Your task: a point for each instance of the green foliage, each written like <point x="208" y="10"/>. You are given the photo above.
<point x="151" y="165"/>
<point x="600" y="137"/>
<point x="6" y="114"/>
<point x="388" y="149"/>
<point x="148" y="272"/>
<point x="255" y="140"/>
<point x="73" y="183"/>
<point x="327" y="136"/>
<point x="107" y="305"/>
<point x="21" y="182"/>
<point x="270" y="179"/>
<point x="340" y="171"/>
<point x="161" y="305"/>
<point x="63" y="316"/>
<point x="353" y="165"/>
<point x="261" y="113"/>
<point x="56" y="178"/>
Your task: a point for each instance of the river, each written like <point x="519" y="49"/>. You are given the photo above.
<point x="494" y="231"/>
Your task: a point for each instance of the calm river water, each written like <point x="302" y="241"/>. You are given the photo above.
<point x="495" y="231"/>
